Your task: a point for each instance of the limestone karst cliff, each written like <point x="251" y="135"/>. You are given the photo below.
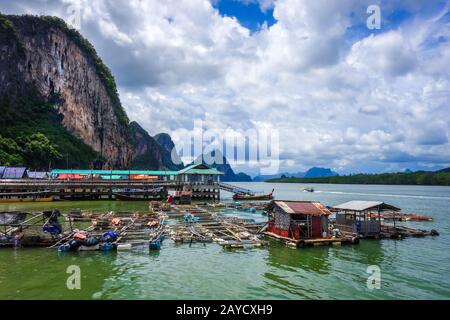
<point x="57" y="97"/>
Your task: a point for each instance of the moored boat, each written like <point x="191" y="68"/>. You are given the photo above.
<point x="14" y="200"/>
<point x="253" y="196"/>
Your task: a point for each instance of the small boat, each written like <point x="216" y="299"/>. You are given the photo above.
<point x="14" y="200"/>
<point x="253" y="196"/>
<point x="136" y="195"/>
<point x="308" y="190"/>
<point x="125" y="197"/>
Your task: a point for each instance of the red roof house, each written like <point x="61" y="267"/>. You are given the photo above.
<point x="298" y="219"/>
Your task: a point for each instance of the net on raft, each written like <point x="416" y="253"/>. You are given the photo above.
<point x="12" y="218"/>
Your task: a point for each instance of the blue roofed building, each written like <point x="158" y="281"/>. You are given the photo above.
<point x="14" y="173"/>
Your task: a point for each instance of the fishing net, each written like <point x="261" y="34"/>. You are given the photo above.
<point x="12" y="218"/>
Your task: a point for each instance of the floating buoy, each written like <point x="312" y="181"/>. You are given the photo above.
<point x="107" y="246"/>
<point x="124" y="246"/>
<point x="355" y="240"/>
<point x="64" y="248"/>
<point x="155" y="245"/>
<point x="434" y="232"/>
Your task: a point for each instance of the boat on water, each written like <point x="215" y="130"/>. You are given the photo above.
<point x="15" y="200"/>
<point x="308" y="190"/>
<point x="137" y="194"/>
<point x="253" y="196"/>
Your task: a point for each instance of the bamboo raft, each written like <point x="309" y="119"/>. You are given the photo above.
<point x="189" y="224"/>
<point x="401" y="232"/>
<point x="202" y="226"/>
<point x="130" y="229"/>
<point x="406" y="217"/>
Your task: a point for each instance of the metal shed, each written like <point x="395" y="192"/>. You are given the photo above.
<point x="362" y="217"/>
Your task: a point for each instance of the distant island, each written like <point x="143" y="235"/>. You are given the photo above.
<point x="313" y="172"/>
<point x="440" y="177"/>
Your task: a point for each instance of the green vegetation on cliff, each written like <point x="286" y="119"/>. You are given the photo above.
<point x="31" y="129"/>
<point x="441" y="177"/>
<point x="33" y="136"/>
<point x="7" y="32"/>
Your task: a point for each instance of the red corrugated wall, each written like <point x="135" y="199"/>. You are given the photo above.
<point x="295" y="233"/>
<point x="271" y="228"/>
<point x="317" y="227"/>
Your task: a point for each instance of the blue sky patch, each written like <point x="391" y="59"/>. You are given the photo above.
<point x="249" y="14"/>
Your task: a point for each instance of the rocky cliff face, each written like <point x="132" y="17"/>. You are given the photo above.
<point x="165" y="141"/>
<point x="42" y="57"/>
<point x="169" y="151"/>
<point x="215" y="159"/>
<point x="148" y="153"/>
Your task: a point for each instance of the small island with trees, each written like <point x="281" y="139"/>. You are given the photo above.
<point x="440" y="178"/>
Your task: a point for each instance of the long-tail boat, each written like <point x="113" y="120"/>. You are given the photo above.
<point x="253" y="196"/>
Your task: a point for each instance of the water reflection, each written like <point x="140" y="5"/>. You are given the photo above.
<point x="309" y="259"/>
<point x="367" y="252"/>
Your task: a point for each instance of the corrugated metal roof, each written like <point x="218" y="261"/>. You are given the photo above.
<point x="193" y="169"/>
<point x="114" y="172"/>
<point x="13" y="173"/>
<point x="303" y="207"/>
<point x="211" y="171"/>
<point x="114" y="177"/>
<point x="199" y="168"/>
<point x="358" y="205"/>
<point x="37" y="174"/>
<point x="70" y="176"/>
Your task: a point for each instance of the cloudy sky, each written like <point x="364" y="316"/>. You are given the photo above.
<point x="342" y="96"/>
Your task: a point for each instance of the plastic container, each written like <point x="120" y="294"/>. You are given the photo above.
<point x="108" y="246"/>
<point x="124" y="247"/>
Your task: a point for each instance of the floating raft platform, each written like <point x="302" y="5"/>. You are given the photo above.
<point x="406" y="217"/>
<point x="202" y="226"/>
<point x="313" y="242"/>
<point x="390" y="231"/>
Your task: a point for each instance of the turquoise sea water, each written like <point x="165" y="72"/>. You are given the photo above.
<point x="410" y="269"/>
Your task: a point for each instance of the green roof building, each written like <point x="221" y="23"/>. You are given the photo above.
<point x="199" y="173"/>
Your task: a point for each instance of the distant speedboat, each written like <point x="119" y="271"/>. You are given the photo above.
<point x="308" y="190"/>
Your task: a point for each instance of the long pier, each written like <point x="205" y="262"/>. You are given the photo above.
<point x="97" y="189"/>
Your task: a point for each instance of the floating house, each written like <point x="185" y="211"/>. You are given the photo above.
<point x="199" y="180"/>
<point x="199" y="173"/>
<point x="298" y="220"/>
<point x="362" y="217"/>
<point x="196" y="174"/>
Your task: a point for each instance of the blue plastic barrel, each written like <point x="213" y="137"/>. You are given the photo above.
<point x="155" y="245"/>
